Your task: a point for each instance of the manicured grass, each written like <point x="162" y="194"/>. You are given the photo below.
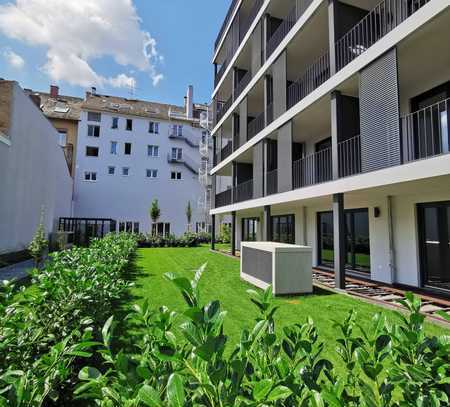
<point x="221" y="281"/>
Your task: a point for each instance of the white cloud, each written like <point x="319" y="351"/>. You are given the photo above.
<point x="76" y="32"/>
<point x="13" y="59"/>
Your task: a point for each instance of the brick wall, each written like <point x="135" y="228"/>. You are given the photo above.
<point x="5" y="106"/>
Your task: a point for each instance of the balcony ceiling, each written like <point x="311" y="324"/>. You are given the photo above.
<point x="364" y="4"/>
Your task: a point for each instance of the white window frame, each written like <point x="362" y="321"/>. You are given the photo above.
<point x="93" y="126"/>
<point x="89" y="173"/>
<point x="112" y="123"/>
<point x="128" y="171"/>
<point x="153" y="173"/>
<point x="113" y="168"/>
<point x="111" y="150"/>
<point x="152" y="148"/>
<point x="177" y="153"/>
<point x="176" y="176"/>
<point x="125" y="146"/>
<point x="92" y="156"/>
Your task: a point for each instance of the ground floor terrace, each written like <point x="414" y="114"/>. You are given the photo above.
<point x="396" y="234"/>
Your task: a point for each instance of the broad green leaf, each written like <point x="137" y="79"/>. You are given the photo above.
<point x="279" y="393"/>
<point x="175" y="391"/>
<point x="261" y="389"/>
<point x="149" y="396"/>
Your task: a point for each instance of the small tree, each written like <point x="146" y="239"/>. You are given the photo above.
<point x="39" y="244"/>
<point x="189" y="215"/>
<point x="155" y="212"/>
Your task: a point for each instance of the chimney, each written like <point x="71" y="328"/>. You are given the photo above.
<point x="190" y="102"/>
<point x="54" y="91"/>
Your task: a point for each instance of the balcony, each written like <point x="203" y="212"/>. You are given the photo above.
<point x="223" y="198"/>
<point x="386" y="16"/>
<point x="313" y="169"/>
<point x="223" y="107"/>
<point x="225" y="23"/>
<point x="311" y="79"/>
<point x="188" y="162"/>
<point x="272" y="182"/>
<point x="226" y="151"/>
<point x="243" y="192"/>
<point x="242" y="84"/>
<point x="425" y="133"/>
<point x="349" y="152"/>
<point x="255" y="126"/>
<point x="287" y="25"/>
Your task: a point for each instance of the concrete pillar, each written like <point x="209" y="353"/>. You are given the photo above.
<point x="265" y="35"/>
<point x="233" y="233"/>
<point x="284" y="152"/>
<point x="213" y="232"/>
<point x="258" y="170"/>
<point x="279" y="85"/>
<point x="332" y="23"/>
<point x="214" y="151"/>
<point x="213" y="191"/>
<point x="336" y="109"/>
<point x="339" y="240"/>
<point x="243" y="121"/>
<point x="234" y="82"/>
<point x="235" y="131"/>
<point x="233" y="181"/>
<point x="267" y="221"/>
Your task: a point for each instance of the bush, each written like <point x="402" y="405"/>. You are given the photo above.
<point x="387" y="365"/>
<point x="44" y="331"/>
<point x="186" y="240"/>
<point x="225" y="234"/>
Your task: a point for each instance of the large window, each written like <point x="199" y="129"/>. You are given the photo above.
<point x="357" y="240"/>
<point x="93" y="131"/>
<point x="177" y="153"/>
<point x="283" y="229"/>
<point x="161" y="229"/>
<point x="91" y="151"/>
<point x="249" y="229"/>
<point x="94" y="117"/>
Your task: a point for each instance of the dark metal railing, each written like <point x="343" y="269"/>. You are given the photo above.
<point x="349" y="152"/>
<point x="223" y="198"/>
<point x="313" y="169"/>
<point x="242" y="84"/>
<point x="272" y="182"/>
<point x="375" y="25"/>
<point x="257" y="4"/>
<point x="226" y="151"/>
<point x="255" y="126"/>
<point x="426" y="132"/>
<point x="311" y="79"/>
<point x="224" y="107"/>
<point x="243" y="192"/>
<point x="225" y="23"/>
<point x="269" y="110"/>
<point x="287" y="24"/>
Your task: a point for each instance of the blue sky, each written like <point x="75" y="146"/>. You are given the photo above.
<point x="102" y="42"/>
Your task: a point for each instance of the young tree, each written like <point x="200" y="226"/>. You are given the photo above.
<point x="189" y="215"/>
<point x="155" y="213"/>
<point x="39" y="244"/>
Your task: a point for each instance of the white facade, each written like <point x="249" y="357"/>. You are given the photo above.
<point x="34" y="175"/>
<point x="127" y="198"/>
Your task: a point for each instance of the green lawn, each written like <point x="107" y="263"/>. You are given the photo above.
<point x="221" y="281"/>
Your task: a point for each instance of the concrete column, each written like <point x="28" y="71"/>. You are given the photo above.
<point x="258" y="170"/>
<point x="213" y="232"/>
<point x="265" y="161"/>
<point x="214" y="150"/>
<point x="233" y="233"/>
<point x="284" y="152"/>
<point x="234" y="82"/>
<point x="332" y="23"/>
<point x="233" y="181"/>
<point x="235" y="131"/>
<point x="339" y="240"/>
<point x="213" y="191"/>
<point x="267" y="231"/>
<point x="279" y="85"/>
<point x="266" y="97"/>
<point x="336" y="110"/>
<point x="265" y="29"/>
<point x="243" y="121"/>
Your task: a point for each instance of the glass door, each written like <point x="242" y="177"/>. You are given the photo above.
<point x="434" y="225"/>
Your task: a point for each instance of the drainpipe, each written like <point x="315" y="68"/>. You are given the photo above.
<point x="392" y="264"/>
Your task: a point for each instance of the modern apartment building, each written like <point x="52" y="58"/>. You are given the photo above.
<point x="130" y="152"/>
<point x="332" y="118"/>
<point x="34" y="173"/>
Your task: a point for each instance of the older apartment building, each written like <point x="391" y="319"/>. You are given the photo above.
<point x="130" y="152"/>
<point x="332" y="118"/>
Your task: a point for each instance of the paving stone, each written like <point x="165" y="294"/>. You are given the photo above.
<point x="431" y="308"/>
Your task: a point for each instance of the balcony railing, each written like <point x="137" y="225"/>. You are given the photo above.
<point x="242" y="84"/>
<point x="223" y="198"/>
<point x="349" y="152"/>
<point x="313" y="169"/>
<point x="315" y="75"/>
<point x="226" y="151"/>
<point x="257" y="4"/>
<point x="426" y="132"/>
<point x="225" y="23"/>
<point x="243" y="192"/>
<point x="223" y="109"/>
<point x="272" y="182"/>
<point x="255" y="126"/>
<point x="375" y="25"/>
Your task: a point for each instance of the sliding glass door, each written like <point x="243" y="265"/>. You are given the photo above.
<point x="434" y="227"/>
<point x="357" y="239"/>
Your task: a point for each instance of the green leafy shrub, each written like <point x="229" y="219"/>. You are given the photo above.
<point x="186" y="240"/>
<point x="225" y="233"/>
<point x="43" y="331"/>
<point x="39" y="245"/>
<point x="185" y="364"/>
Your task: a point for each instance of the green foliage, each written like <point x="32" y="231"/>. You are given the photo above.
<point x="186" y="240"/>
<point x="155" y="211"/>
<point x="44" y="331"/>
<point x="179" y="359"/>
<point x="225" y="233"/>
<point x="39" y="244"/>
<point x="189" y="214"/>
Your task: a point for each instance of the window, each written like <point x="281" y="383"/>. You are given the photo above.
<point x="114" y="147"/>
<point x="175" y="175"/>
<point x="90" y="176"/>
<point x="111" y="170"/>
<point x="93" y="131"/>
<point x="121" y="226"/>
<point x="249" y="229"/>
<point x="152" y="173"/>
<point x="127" y="149"/>
<point x="129" y="125"/>
<point x="115" y="123"/>
<point x="153" y="127"/>
<point x="161" y="229"/>
<point x="177" y="153"/>
<point x="136" y="227"/>
<point x="94" y="117"/>
<point x="91" y="151"/>
<point x="152" y="151"/>
<point x="129" y="226"/>
<point x="62" y="137"/>
<point x="283" y="229"/>
<point x="125" y="171"/>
